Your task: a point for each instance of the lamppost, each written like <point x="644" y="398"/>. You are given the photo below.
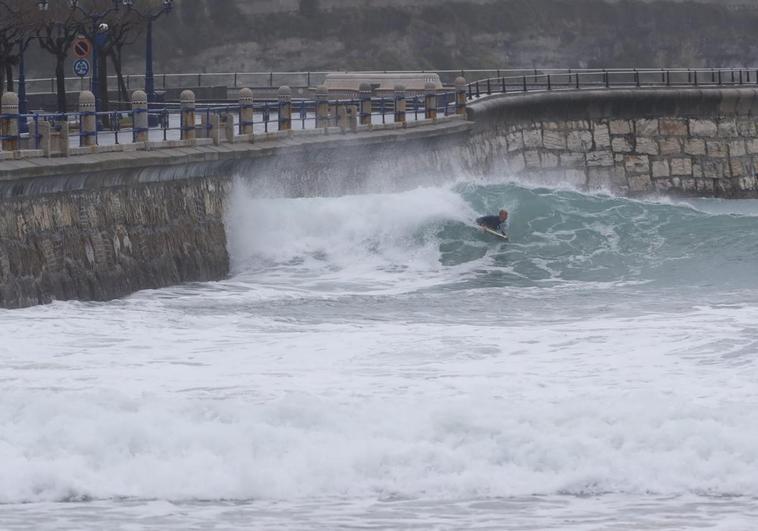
<point x="150" y="16"/>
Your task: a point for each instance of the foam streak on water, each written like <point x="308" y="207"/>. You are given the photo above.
<point x="377" y="361"/>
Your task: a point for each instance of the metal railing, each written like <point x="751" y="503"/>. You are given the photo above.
<point x="612" y="79"/>
<point x="117" y="127"/>
<point x="311" y="79"/>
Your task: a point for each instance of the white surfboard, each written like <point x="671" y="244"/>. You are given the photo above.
<point x="495" y="233"/>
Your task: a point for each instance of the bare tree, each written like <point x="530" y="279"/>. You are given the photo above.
<point x="59" y="27"/>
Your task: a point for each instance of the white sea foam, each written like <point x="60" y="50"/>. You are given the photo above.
<point x="347" y="365"/>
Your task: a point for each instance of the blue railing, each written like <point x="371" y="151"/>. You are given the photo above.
<point x="117" y="127"/>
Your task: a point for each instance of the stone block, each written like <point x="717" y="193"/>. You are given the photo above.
<point x="646" y="127"/>
<point x="646" y="146"/>
<point x="728" y="128"/>
<point x="533" y="138"/>
<point x="671" y="146"/>
<point x="554" y="139"/>
<point x="516" y="162"/>
<point x="532" y="159"/>
<point x="622" y="145"/>
<point x="579" y="141"/>
<point x="752" y="146"/>
<point x="661" y="169"/>
<point x="681" y="167"/>
<point x="549" y="160"/>
<point x="746" y="127"/>
<point x="572" y="160"/>
<point x="515" y="140"/>
<point x="673" y="127"/>
<point x="551" y="126"/>
<point x="620" y="127"/>
<point x="713" y="169"/>
<point x="703" y="128"/>
<point x="739" y="168"/>
<point x="619" y="158"/>
<point x="578" y="124"/>
<point x="716" y="148"/>
<point x="602" y="136"/>
<point x="663" y="185"/>
<point x="737" y="148"/>
<point x="637" y="163"/>
<point x="697" y="171"/>
<point x="694" y="146"/>
<point x="640" y="183"/>
<point x="599" y="158"/>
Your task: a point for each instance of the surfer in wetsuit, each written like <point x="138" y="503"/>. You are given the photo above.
<point x="497" y="223"/>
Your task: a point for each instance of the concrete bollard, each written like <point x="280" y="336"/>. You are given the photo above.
<point x="246" y="111"/>
<point x="322" y="107"/>
<point x="430" y="101"/>
<point x="63" y="138"/>
<point x="364" y="96"/>
<point x="9" y="121"/>
<point x="139" y="116"/>
<point x="352" y="117"/>
<point x="187" y="103"/>
<point x="400" y="104"/>
<point x="42" y="132"/>
<point x="285" y="108"/>
<point x="460" y="95"/>
<point x="88" y="120"/>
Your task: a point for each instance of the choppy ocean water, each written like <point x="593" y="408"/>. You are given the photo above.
<point x="375" y="362"/>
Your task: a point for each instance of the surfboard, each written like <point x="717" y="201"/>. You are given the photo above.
<point x="494" y="233"/>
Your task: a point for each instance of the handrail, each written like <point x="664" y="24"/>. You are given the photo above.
<point x="310" y="78"/>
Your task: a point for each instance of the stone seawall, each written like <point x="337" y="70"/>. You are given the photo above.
<point x="105" y="243"/>
<point x="680" y="141"/>
<point x="105" y="225"/>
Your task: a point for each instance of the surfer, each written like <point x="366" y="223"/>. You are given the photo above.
<point x="497" y="223"/>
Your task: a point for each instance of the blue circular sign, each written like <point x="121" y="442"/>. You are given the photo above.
<point x="81" y="67"/>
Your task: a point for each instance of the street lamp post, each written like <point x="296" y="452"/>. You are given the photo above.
<point x="150" y="16"/>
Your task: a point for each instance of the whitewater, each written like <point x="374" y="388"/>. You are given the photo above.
<point x="376" y="362"/>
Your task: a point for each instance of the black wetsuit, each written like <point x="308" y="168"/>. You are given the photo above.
<point x="491" y="222"/>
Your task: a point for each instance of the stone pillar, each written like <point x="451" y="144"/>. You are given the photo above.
<point x="187" y="102"/>
<point x="400" y="104"/>
<point x="42" y="133"/>
<point x="342" y="118"/>
<point x="246" y="111"/>
<point x="364" y="96"/>
<point x="88" y="120"/>
<point x="227" y="127"/>
<point x="9" y="122"/>
<point x="352" y="117"/>
<point x="322" y="107"/>
<point x="285" y="108"/>
<point x="460" y="95"/>
<point x="139" y="116"/>
<point x="430" y="101"/>
<point x="63" y="138"/>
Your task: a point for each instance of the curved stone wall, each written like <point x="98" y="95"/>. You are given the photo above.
<point x="637" y="141"/>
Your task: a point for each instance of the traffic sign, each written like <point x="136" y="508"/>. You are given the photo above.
<point x="81" y="67"/>
<point x="82" y="48"/>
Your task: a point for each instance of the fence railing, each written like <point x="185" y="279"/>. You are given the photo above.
<point x="184" y="121"/>
<point x="306" y="79"/>
<point x="609" y="79"/>
<point x="176" y="121"/>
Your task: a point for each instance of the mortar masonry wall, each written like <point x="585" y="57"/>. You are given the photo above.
<point x="670" y="154"/>
<point x="105" y="243"/>
<point x="695" y="142"/>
